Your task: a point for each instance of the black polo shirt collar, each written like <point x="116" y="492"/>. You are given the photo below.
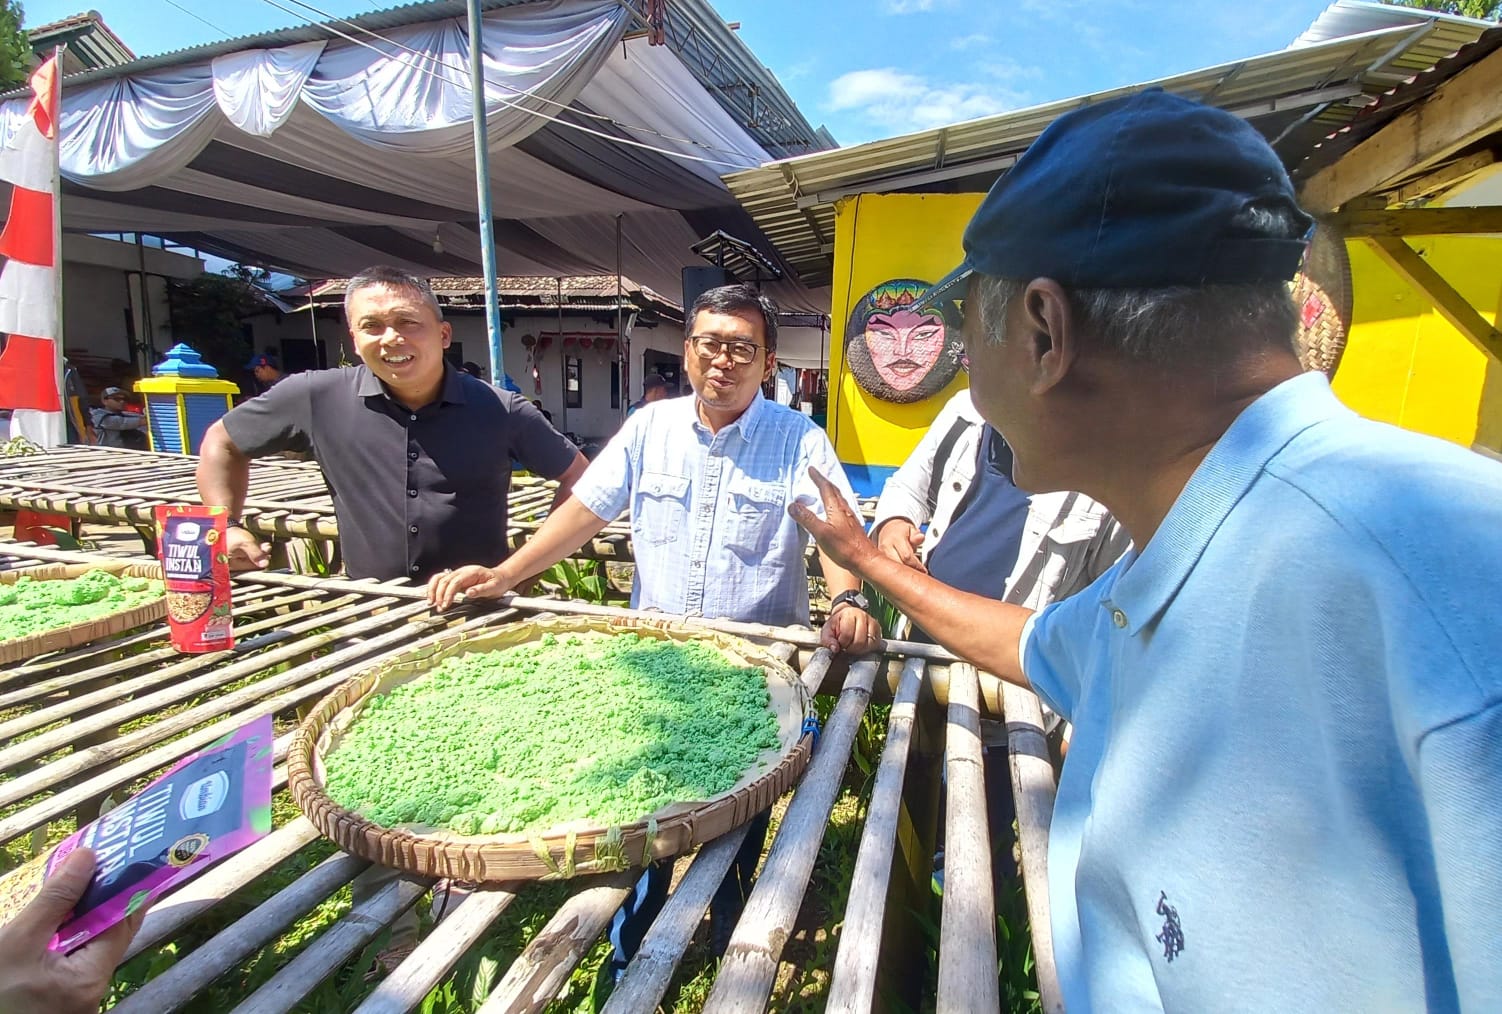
<point x="371" y="386"/>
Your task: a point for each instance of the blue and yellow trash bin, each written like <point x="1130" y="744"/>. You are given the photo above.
<point x="183" y="398"/>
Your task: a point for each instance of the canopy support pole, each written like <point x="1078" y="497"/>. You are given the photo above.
<point x="482" y="189"/>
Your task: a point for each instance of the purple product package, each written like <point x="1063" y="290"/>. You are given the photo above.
<point x="211" y="804"/>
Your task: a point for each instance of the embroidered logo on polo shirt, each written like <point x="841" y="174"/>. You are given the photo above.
<point x="1172" y="934"/>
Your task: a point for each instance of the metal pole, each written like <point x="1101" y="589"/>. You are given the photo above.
<point x="620" y="330"/>
<point x="59" y="429"/>
<point x="562" y="354"/>
<point x="482" y="189"/>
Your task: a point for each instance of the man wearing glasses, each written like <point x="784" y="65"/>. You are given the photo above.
<point x="708" y="480"/>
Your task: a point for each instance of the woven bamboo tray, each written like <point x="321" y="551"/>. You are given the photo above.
<point x="559" y="853"/>
<point x="21" y="648"/>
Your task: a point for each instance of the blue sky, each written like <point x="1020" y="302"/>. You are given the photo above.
<point x="865" y="68"/>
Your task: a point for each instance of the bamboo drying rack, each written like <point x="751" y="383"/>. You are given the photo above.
<point x="102" y="717"/>
<point x="62" y="638"/>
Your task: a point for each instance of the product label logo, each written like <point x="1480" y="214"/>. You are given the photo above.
<point x="204" y="796"/>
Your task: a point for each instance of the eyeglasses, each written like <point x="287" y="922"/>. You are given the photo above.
<point x="739" y="352"/>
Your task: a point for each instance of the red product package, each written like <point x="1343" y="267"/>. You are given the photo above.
<point x="195" y="566"/>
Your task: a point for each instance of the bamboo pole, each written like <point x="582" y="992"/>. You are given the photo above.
<point x="967" y="931"/>
<point x="176" y="690"/>
<point x="337" y="945"/>
<point x="853" y="987"/>
<point x="651" y="972"/>
<point x="800" y="636"/>
<point x="749" y="969"/>
<point x="323" y="612"/>
<point x="1033" y="793"/>
<point x="179" y="985"/>
<point x="196" y="897"/>
<point x="540" y="971"/>
<point x="440" y="951"/>
<point x="121" y="771"/>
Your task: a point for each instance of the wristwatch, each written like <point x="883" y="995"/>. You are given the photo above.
<point x="855" y="598"/>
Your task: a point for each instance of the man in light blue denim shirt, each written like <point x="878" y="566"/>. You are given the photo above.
<point x="1284" y="790"/>
<point x="709" y="480"/>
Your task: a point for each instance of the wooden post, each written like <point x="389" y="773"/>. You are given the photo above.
<point x="1452" y="306"/>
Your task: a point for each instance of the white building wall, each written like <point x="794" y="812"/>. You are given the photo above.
<point x="101" y="291"/>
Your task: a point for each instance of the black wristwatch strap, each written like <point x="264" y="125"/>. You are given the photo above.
<point x="855" y="598"/>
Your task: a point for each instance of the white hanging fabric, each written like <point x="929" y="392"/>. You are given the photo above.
<point x="257" y="89"/>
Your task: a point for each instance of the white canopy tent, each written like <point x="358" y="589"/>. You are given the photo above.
<point x="323" y="150"/>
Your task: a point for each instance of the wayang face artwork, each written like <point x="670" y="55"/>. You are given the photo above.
<point x="897" y="354"/>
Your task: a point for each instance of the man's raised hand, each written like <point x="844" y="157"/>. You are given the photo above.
<point x="841" y="535"/>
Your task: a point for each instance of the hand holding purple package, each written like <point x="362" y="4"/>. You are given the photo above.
<point x="210" y="805"/>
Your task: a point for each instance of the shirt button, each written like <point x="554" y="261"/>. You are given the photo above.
<point x="1118" y="617"/>
<point x="412" y="493"/>
<point x="411" y="455"/>
<point x="413" y="529"/>
<point x="413" y="417"/>
<point x="414" y="568"/>
<point x="956" y="487"/>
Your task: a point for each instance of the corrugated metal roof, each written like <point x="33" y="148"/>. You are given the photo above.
<point x="91" y="43"/>
<point x="1296" y="97"/>
<point x="1346" y="18"/>
<point x="1373" y="118"/>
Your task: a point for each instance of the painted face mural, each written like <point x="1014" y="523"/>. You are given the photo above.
<point x="898" y="355"/>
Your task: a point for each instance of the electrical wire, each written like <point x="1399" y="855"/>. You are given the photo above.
<point x="195" y="16"/>
<point x="512" y="105"/>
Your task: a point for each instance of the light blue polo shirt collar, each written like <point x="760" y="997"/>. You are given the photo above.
<point x="1144" y="589"/>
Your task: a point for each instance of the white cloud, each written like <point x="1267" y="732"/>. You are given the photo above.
<point x="971" y="41"/>
<point x="799" y="70"/>
<point x="913" y="6"/>
<point x="900" y="101"/>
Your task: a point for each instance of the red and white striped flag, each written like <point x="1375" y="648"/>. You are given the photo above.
<point x="31" y="366"/>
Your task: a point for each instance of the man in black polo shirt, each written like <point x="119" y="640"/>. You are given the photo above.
<point x="416" y="453"/>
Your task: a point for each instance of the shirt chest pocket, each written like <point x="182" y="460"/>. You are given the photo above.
<point x="662" y="509"/>
<point x="753" y="515"/>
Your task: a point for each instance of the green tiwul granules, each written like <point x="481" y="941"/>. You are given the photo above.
<point x="29" y="607"/>
<point x="595" y="727"/>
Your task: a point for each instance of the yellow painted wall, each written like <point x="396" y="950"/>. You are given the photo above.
<point x="878" y="237"/>
<point x="1405" y="364"/>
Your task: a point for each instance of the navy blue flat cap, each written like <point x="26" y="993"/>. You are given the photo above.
<point x="1141" y="192"/>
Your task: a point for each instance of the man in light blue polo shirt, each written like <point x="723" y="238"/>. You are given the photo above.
<point x="1284" y="790"/>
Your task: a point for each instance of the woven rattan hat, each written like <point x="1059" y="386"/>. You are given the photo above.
<point x="1322" y="293"/>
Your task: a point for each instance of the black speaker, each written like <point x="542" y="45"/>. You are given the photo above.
<point x="697" y="281"/>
